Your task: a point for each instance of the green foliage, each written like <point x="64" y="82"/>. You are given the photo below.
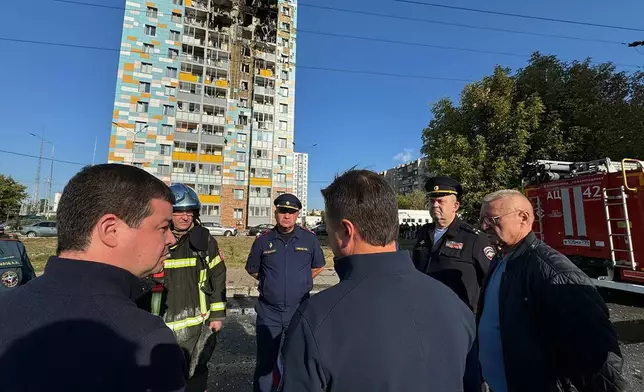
<point x="12" y="193"/>
<point x="548" y="110"/>
<point x="415" y="200"/>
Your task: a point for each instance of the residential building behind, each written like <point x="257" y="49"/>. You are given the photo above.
<point x="407" y="177"/>
<point x="300" y="180"/>
<point x="205" y="96"/>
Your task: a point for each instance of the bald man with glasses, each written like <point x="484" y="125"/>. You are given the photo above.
<point x="542" y="325"/>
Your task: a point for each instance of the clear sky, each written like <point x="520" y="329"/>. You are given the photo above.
<point x="355" y="119"/>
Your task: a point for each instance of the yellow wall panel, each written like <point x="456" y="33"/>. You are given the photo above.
<point x="158" y="117"/>
<point x="150" y="4"/>
<point x="129" y="144"/>
<point x="116" y="114"/>
<point x="176" y="11"/>
<point x="260" y="181"/>
<point x="210" y="199"/>
<point x="169" y="138"/>
<point x="112" y="142"/>
<point x="145" y="56"/>
<point x="163" y="25"/>
<point x="173" y="99"/>
<point x="211" y="158"/>
<point x="146" y="164"/>
<point x="134" y="99"/>
<point x="128" y="79"/>
<point x="186" y="77"/>
<point x="128" y="66"/>
<point x="174" y="84"/>
<point x="266" y="72"/>
<point x="189" y="3"/>
<point x="131" y="38"/>
<point x="145" y="95"/>
<point x="125" y="125"/>
<point x="155" y="43"/>
<point x="185" y="156"/>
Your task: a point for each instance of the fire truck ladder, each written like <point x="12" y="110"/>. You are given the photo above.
<point x="617" y="197"/>
<point x="536" y="202"/>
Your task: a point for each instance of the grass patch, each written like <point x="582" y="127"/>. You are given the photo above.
<point x="235" y="250"/>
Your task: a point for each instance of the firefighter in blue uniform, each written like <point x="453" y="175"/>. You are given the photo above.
<point x="285" y="260"/>
<point x="448" y="249"/>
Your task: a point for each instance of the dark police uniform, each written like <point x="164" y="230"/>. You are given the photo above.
<point x="15" y="267"/>
<point x="461" y="257"/>
<point x="284" y="263"/>
<point x="385" y="327"/>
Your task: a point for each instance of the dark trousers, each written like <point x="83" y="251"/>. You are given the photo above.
<point x="270" y="327"/>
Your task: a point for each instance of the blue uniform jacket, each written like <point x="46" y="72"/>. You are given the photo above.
<point x="385" y="327"/>
<point x="285" y="268"/>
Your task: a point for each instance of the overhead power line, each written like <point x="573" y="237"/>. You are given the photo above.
<point x="358" y="12"/>
<point x="43" y="158"/>
<point x="297" y="66"/>
<point x="481" y="11"/>
<point x="464" y="25"/>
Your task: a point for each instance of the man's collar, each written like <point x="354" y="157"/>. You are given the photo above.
<point x="521" y="247"/>
<point x="375" y="263"/>
<point x="453" y="227"/>
<point x="94" y="277"/>
<point x="296" y="232"/>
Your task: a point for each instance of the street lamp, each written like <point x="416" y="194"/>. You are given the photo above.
<point x="50" y="181"/>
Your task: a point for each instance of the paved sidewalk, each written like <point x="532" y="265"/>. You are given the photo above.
<point x="240" y="284"/>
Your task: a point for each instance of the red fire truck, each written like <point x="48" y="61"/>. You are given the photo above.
<point x="592" y="212"/>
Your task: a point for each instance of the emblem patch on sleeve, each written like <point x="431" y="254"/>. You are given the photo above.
<point x="9" y="279"/>
<point x="454" y="245"/>
<point x="489" y="252"/>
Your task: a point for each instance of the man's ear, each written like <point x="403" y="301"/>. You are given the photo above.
<point x="525" y="217"/>
<point x="348" y="228"/>
<point x="107" y="229"/>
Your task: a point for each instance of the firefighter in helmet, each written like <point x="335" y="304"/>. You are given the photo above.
<point x="190" y="293"/>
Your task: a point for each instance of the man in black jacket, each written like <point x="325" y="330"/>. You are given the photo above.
<point x="542" y="325"/>
<point x="386" y="326"/>
<point x="78" y="323"/>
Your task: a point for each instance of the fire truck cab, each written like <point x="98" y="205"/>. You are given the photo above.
<point x="592" y="212"/>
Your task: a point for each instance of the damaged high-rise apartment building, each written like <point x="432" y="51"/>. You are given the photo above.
<point x="205" y="96"/>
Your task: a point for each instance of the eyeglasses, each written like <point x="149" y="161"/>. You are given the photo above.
<point x="494" y="220"/>
<point x="286" y="211"/>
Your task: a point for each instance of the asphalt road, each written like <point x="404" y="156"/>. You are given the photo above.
<point x="233" y="363"/>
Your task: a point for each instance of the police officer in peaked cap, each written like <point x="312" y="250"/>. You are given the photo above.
<point x="449" y="249"/>
<point x="285" y="260"/>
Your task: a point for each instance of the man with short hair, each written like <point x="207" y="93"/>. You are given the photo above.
<point x="80" y="318"/>
<point x="285" y="260"/>
<point x="385" y="326"/>
<point x="542" y="325"/>
<point x="448" y="249"/>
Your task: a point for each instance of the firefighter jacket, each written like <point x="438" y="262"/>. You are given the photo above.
<point x="460" y="259"/>
<point x="191" y="289"/>
<point x="555" y="327"/>
<point x="15" y="267"/>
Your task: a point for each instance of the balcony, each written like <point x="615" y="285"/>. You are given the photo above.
<point x="217" y="63"/>
<point x="189" y="77"/>
<point x="186" y="39"/>
<point x="200" y="5"/>
<point x="265" y="91"/>
<point x="265" y="73"/>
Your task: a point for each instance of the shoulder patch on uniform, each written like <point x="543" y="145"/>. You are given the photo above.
<point x="489" y="252"/>
<point x="9" y="279"/>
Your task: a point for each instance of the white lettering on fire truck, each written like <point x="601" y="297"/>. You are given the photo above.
<point x="569" y="242"/>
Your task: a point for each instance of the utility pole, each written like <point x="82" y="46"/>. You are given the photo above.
<point x="51" y="173"/>
<point x="37" y="182"/>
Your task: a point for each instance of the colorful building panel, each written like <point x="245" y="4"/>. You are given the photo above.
<point x="205" y="95"/>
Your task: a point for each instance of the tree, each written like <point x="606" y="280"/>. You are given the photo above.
<point x="484" y="142"/>
<point x="12" y="194"/>
<point x="548" y="110"/>
<point x="415" y="200"/>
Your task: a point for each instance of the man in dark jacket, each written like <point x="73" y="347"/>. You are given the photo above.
<point x="542" y="325"/>
<point x="190" y="293"/>
<point x="386" y="326"/>
<point x="448" y="249"/>
<point x="79" y="320"/>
